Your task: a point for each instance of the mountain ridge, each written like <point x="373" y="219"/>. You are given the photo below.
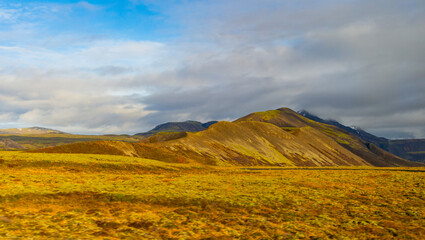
<point x="278" y="137"/>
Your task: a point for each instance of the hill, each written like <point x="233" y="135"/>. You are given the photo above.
<point x="117" y="148"/>
<point x="287" y="118"/>
<point x="279" y="137"/>
<point x="410" y="149"/>
<point x="188" y="126"/>
<point x="31" y="130"/>
<point x="13" y="141"/>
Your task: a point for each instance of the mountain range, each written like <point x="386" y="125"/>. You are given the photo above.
<point x="410" y="149"/>
<point x="279" y="137"/>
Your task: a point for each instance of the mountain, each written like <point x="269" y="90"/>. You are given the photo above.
<point x="208" y="124"/>
<point x="16" y="140"/>
<point x="279" y="137"/>
<point x="287" y="118"/>
<point x="188" y="126"/>
<point x="31" y="130"/>
<point x="410" y="149"/>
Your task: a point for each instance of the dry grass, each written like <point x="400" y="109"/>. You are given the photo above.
<point x="46" y="196"/>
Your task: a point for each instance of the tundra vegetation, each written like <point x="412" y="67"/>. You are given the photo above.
<point x="78" y="196"/>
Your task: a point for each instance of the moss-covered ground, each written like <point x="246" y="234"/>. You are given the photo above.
<point x="65" y="196"/>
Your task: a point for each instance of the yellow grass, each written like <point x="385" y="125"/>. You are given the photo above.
<point x="79" y="196"/>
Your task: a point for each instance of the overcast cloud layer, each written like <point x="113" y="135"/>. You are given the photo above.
<point x="359" y="62"/>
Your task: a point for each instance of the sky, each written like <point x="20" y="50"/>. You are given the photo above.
<point x="114" y="67"/>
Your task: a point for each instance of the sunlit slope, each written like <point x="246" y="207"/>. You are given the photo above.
<point x="291" y="121"/>
<point x="257" y="143"/>
<point x="226" y="143"/>
<point x="141" y="150"/>
<point x="279" y="137"/>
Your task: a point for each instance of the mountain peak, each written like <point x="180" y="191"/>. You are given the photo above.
<point x="282" y="117"/>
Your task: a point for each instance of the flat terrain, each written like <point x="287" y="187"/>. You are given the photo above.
<point x="44" y="196"/>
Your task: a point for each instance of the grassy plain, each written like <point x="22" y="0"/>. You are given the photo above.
<point x="79" y="196"/>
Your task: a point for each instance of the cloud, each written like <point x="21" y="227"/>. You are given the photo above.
<point x="359" y="62"/>
<point x="356" y="61"/>
<point x="88" y="6"/>
<point x="69" y="105"/>
<point x="75" y="91"/>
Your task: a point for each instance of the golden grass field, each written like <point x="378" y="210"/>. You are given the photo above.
<point x="77" y="196"/>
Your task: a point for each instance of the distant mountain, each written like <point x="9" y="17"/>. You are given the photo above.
<point x="410" y="149"/>
<point x="279" y="137"/>
<point x="208" y="124"/>
<point x="188" y="126"/>
<point x="31" y="130"/>
<point x="41" y="138"/>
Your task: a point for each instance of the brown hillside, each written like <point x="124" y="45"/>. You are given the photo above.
<point x="288" y="119"/>
<point x="257" y="143"/>
<point x="117" y="148"/>
<point x="280" y="137"/>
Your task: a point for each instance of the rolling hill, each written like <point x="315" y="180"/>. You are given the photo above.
<point x="31" y="130"/>
<point x="279" y="137"/>
<point x="14" y="141"/>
